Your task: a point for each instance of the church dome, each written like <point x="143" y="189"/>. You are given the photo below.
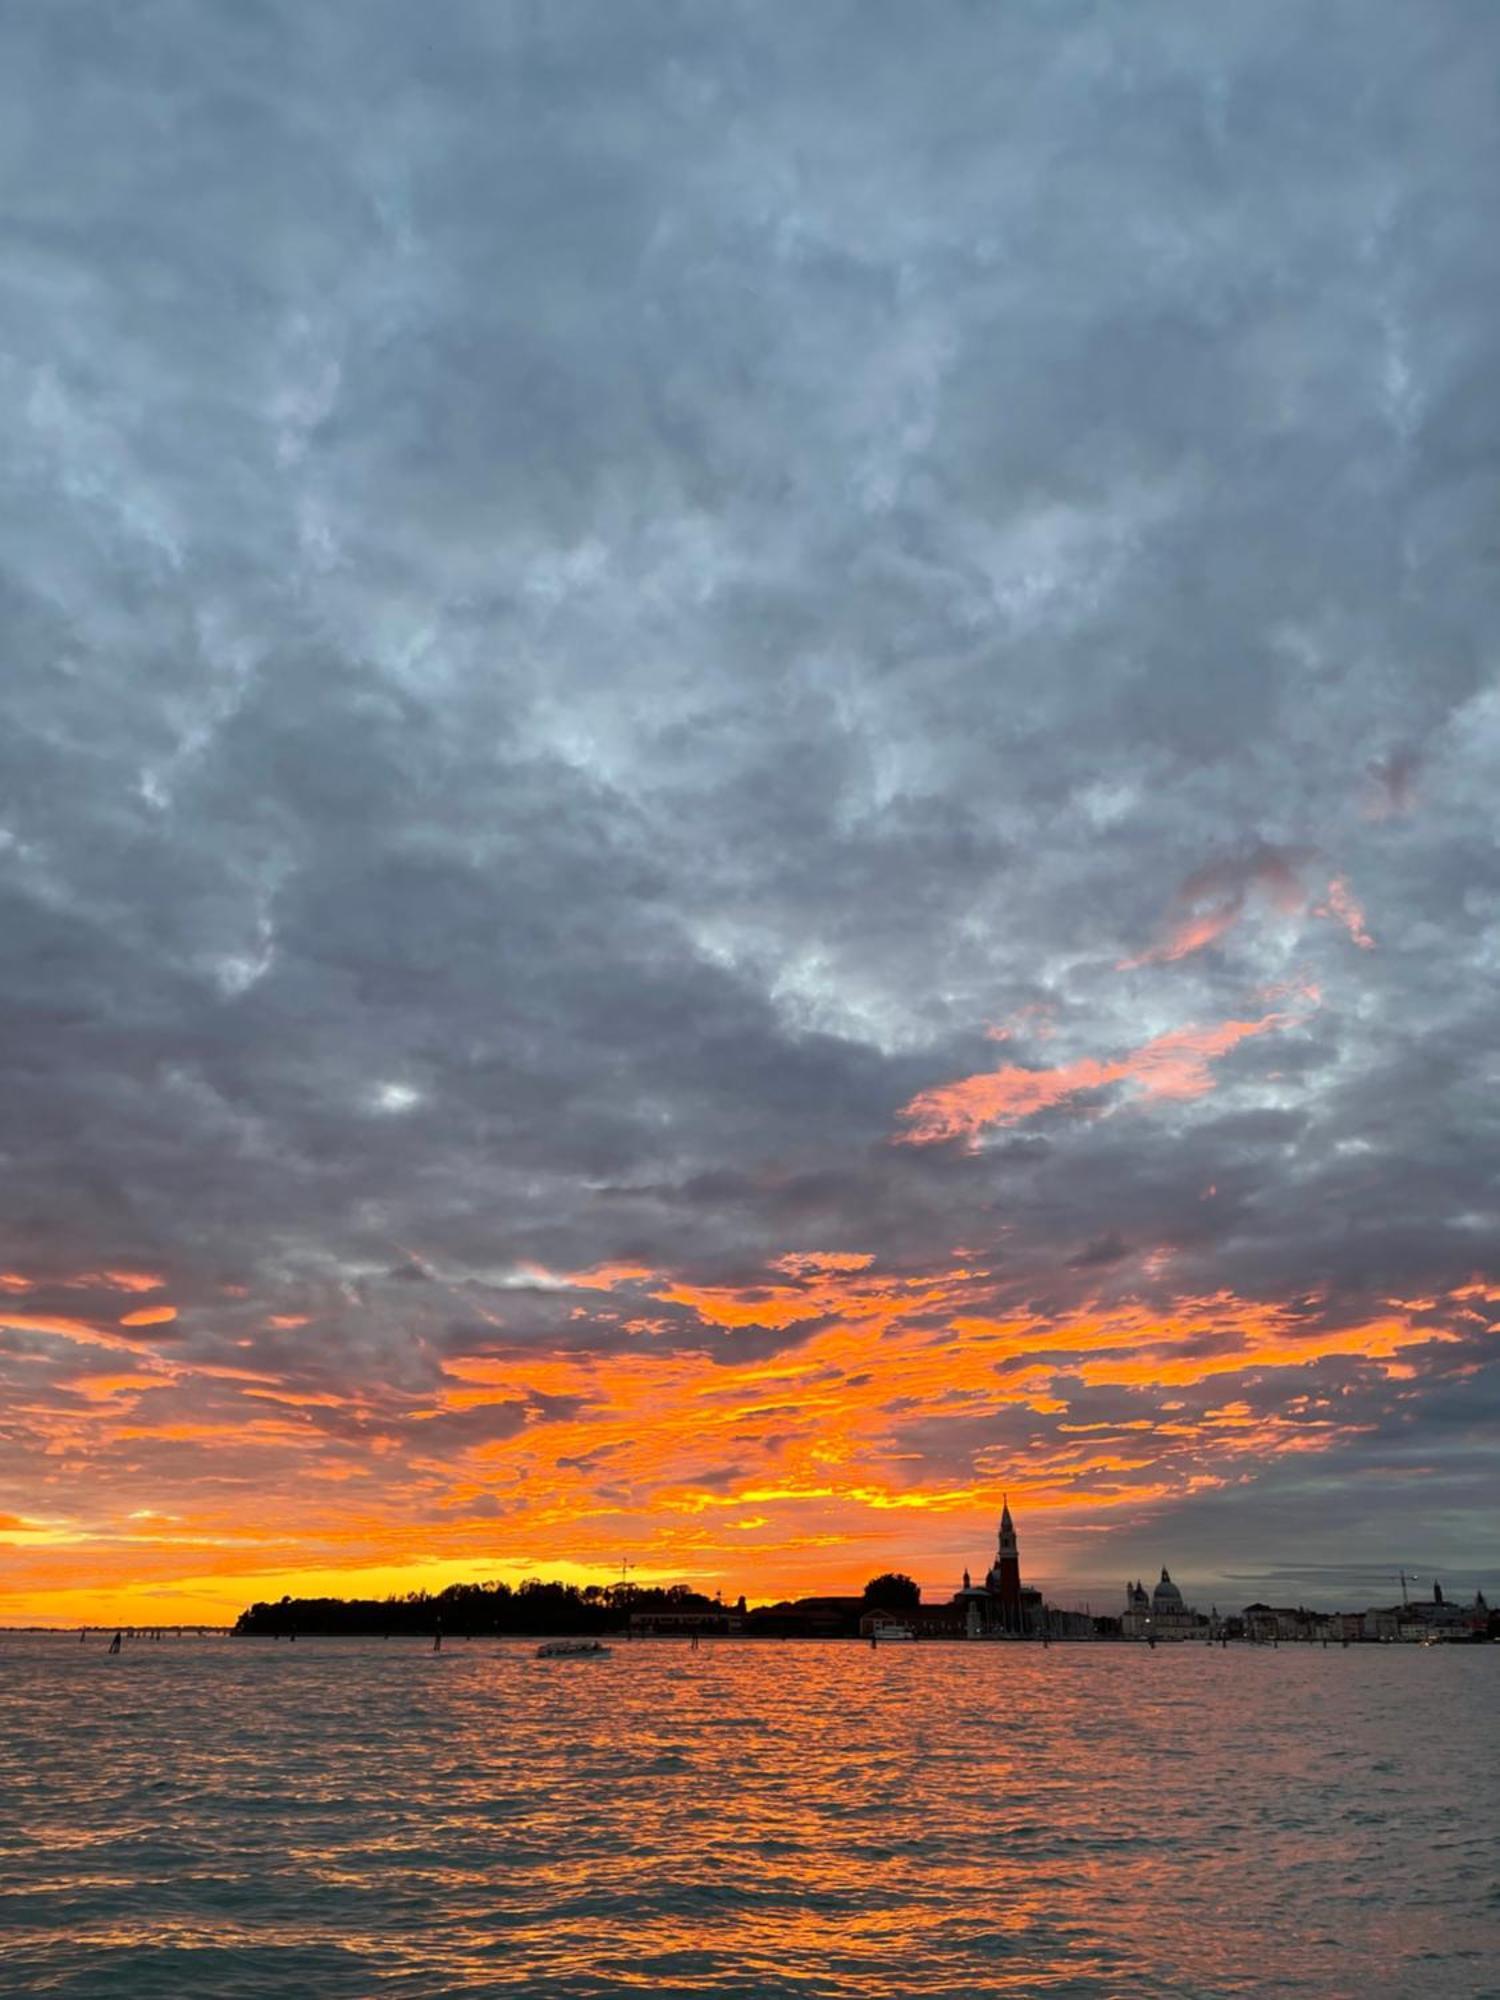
<point x="1166" y="1596"/>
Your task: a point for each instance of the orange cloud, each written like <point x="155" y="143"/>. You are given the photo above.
<point x="798" y="1262"/>
<point x="1171" y="1066"/>
<point x="883" y="1439"/>
<point x="303" y="1399"/>
<point x="605" y="1277"/>
<point x="202" y="1433"/>
<point x="105" y="1388"/>
<point x="67" y="1328"/>
<point x="815" y="1292"/>
<point x="149" y="1316"/>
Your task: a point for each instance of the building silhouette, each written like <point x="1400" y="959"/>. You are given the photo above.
<point x="1001" y="1607"/>
<point x="1162" y="1615"/>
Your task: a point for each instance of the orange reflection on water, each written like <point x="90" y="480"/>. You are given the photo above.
<point x="752" y="1818"/>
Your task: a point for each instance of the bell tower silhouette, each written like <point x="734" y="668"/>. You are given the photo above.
<point x="1005" y="1576"/>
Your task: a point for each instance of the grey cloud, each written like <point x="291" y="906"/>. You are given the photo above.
<point x="590" y="596"/>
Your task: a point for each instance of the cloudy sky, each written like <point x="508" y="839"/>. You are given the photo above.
<point x="747" y="789"/>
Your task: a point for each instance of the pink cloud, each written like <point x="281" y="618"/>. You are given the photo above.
<point x="1342" y="906"/>
<point x="1212" y="901"/>
<point x="133" y="1281"/>
<point x="1171" y="1066"/>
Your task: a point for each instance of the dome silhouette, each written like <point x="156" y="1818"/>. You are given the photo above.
<point x="1166" y="1596"/>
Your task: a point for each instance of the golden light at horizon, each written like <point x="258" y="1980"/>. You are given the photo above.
<point x="806" y="1468"/>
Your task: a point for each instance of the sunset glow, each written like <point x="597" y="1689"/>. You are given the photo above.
<point x="746" y="792"/>
<point x="749" y="999"/>
<point x="891" y="1395"/>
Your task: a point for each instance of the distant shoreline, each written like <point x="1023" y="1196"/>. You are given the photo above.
<point x="176" y="1631"/>
<point x="422" y="1641"/>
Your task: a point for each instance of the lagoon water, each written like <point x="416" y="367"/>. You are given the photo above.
<point x="236" y="1818"/>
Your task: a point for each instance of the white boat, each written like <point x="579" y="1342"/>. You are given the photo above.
<point x="889" y="1629"/>
<point x="571" y="1649"/>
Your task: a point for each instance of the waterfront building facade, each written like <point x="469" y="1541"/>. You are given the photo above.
<point x="1162" y="1615"/>
<point x="1414" y="1621"/>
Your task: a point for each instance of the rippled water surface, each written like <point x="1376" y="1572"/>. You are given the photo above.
<point x="225" y="1818"/>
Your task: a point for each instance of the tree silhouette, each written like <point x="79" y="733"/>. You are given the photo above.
<point x="474" y="1610"/>
<point x="894" y="1593"/>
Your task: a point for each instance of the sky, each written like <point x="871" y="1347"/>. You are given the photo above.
<point x="747" y="792"/>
